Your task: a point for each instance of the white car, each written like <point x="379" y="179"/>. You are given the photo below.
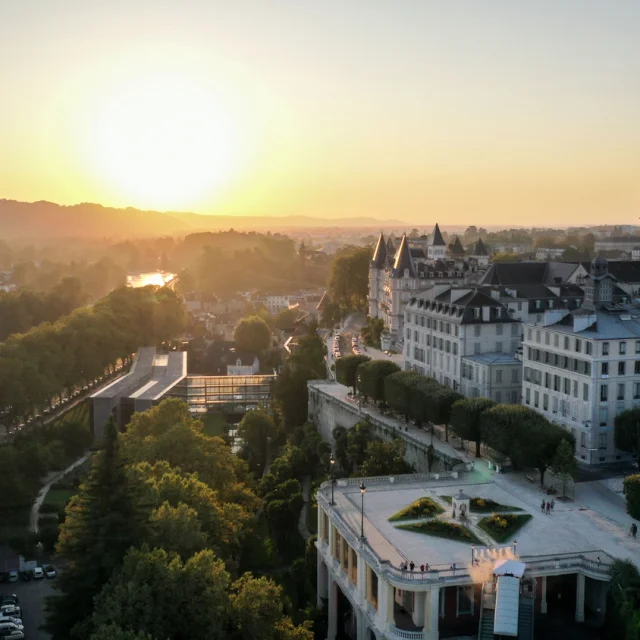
<point x="16" y="621"/>
<point x="50" y="571"/>
<point x="38" y="573"/>
<point x="10" y="611"/>
<point x="11" y="630"/>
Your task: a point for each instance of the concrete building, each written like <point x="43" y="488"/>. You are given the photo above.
<point x="582" y="367"/>
<point x="244" y="364"/>
<point x="617" y="243"/>
<point x="381" y="581"/>
<point x="549" y="253"/>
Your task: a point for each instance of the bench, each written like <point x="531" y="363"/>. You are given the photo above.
<point x="530" y="479"/>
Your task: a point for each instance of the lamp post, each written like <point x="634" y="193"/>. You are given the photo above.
<point x="332" y="461"/>
<point x="362" y="492"/>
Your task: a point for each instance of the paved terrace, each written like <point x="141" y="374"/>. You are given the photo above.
<point x="571" y="529"/>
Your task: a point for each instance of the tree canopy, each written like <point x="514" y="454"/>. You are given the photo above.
<point x="349" y="279"/>
<point x="627" y="430"/>
<point x="252" y="334"/>
<point x="346" y="369"/>
<point x="466" y="419"/>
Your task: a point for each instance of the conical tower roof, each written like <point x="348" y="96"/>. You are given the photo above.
<point x="456" y="247"/>
<point x="436" y="239"/>
<point x="402" y="260"/>
<point x="380" y="253"/>
<point x="480" y="249"/>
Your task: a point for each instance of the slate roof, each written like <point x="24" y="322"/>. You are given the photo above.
<point x="456" y="247"/>
<point x="379" y="254"/>
<point x="514" y="273"/>
<point x="417" y="252"/>
<point x="436" y="239"/>
<point x="480" y="249"/>
<point x="402" y="260"/>
<point x="624" y="270"/>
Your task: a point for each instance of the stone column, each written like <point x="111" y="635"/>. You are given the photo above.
<point x="419" y="605"/>
<point x="385" y="604"/>
<point x="362" y="580"/>
<point x="332" y="540"/>
<point x="332" y="627"/>
<point x="349" y="563"/>
<point x="362" y="625"/>
<point x="432" y="614"/>
<point x="580" y="598"/>
<point x="322" y="580"/>
<point x="543" y="595"/>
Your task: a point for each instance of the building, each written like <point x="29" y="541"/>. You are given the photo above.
<point x="398" y="273"/>
<point x="549" y="253"/>
<point x="466" y="339"/>
<point x="243" y="364"/>
<point x="384" y="582"/>
<point x="582" y="367"/>
<point x="617" y="243"/>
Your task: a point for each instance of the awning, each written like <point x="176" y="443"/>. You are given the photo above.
<point x="509" y="568"/>
<point x="507" y="605"/>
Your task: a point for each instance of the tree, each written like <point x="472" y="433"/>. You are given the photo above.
<point x="384" y="459"/>
<point x="506" y="257"/>
<point x="256" y="428"/>
<point x="440" y="402"/>
<point x="114" y="632"/>
<point x="371" y="375"/>
<point x="627" y="430"/>
<point x="466" y="420"/>
<point x="252" y="334"/>
<point x="397" y="391"/>
<point x="290" y="395"/>
<point x="177" y="529"/>
<point x="286" y="319"/>
<point x="330" y="314"/>
<point x="623" y="606"/>
<point x="346" y="369"/>
<point x="372" y="331"/>
<point x="632" y="493"/>
<point x="102" y="522"/>
<point x="349" y="280"/>
<point x="564" y="464"/>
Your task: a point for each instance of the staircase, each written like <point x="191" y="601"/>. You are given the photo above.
<point x="525" y="619"/>
<point x="485" y="632"/>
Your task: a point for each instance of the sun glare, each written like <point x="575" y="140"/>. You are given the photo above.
<point x="165" y="144"/>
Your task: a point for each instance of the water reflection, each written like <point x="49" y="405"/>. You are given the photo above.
<point x="157" y="278"/>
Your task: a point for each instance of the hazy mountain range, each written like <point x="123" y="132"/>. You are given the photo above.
<point x="47" y="220"/>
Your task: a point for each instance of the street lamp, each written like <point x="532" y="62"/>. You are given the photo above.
<point x="362" y="492"/>
<point x="332" y="461"/>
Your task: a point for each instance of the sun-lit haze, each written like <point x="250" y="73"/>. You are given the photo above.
<point x="485" y="112"/>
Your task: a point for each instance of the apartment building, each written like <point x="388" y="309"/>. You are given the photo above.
<point x="582" y="367"/>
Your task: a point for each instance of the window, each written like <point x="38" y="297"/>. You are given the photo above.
<point x="583" y="439"/>
<point x="538" y="337"/>
<point x="547" y="338"/>
<point x="555" y="404"/>
<point x="637" y="346"/>
<point x="621" y="368"/>
<point x="455" y="348"/>
<point x="623" y="348"/>
<point x="428" y="323"/>
<point x="514" y="375"/>
<point x="536" y="399"/>
<point x="578" y="345"/>
<point x="585" y="392"/>
<point x="529" y="334"/>
<point x="575" y="388"/>
<point x="604" y="416"/>
<point x="605" y="348"/>
<point x="527" y="395"/>
<point x="498" y="329"/>
<point x="498" y="375"/>
<point x="547" y="377"/>
<point x="545" y="402"/>
<point x="556" y="340"/>
<point x="602" y="444"/>
<point x="566" y="343"/>
<point x="415" y="336"/>
<point x="567" y="386"/>
<point x="556" y="383"/>
<point x="587" y="348"/>
<point x="620" y="392"/>
<point x="465" y="600"/>
<point x="499" y="346"/>
<point x="636" y="390"/>
<point x="476" y="313"/>
<point x="605" y="369"/>
<point x="604" y="392"/>
<point x="476" y="330"/>
<point x="476" y="348"/>
<point x="514" y="330"/>
<point x="636" y="367"/>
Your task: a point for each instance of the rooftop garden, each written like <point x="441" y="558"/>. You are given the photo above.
<point x="443" y="529"/>
<point x="483" y="505"/>
<point x="503" y="526"/>
<point x="422" y="508"/>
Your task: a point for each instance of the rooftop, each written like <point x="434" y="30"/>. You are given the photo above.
<point x="609" y="325"/>
<point x="493" y="358"/>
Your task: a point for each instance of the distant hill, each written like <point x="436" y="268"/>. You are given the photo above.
<point x="49" y="220"/>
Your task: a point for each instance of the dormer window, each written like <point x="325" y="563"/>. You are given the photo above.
<point x="476" y="313"/>
<point x="538" y="304"/>
<point x="406" y="273"/>
<point x="238" y="362"/>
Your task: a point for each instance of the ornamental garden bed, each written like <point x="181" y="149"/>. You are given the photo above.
<point x="422" y="508"/>
<point x="442" y="529"/>
<point x="503" y="526"/>
<point x="484" y="505"/>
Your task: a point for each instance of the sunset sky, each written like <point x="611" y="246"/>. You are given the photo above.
<point x="479" y="111"/>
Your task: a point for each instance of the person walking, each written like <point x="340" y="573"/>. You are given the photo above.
<point x="634" y="530"/>
<point x="542" y="505"/>
<point x="548" y="508"/>
<point x="553" y="503"/>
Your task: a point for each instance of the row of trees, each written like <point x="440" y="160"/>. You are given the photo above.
<point x="516" y="432"/>
<point x="154" y="540"/>
<point x="50" y="360"/>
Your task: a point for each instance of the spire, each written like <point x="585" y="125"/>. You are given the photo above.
<point x="436" y="239"/>
<point x="380" y="253"/>
<point x="402" y="261"/>
<point x="456" y="247"/>
<point x="480" y="249"/>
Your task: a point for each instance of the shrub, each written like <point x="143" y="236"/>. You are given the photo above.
<point x="422" y="508"/>
<point x="632" y="493"/>
<point x="502" y="527"/>
<point x="443" y="529"/>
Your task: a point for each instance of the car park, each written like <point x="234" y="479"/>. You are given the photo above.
<point x="50" y="571"/>
<point x="38" y="573"/>
<point x="25" y="576"/>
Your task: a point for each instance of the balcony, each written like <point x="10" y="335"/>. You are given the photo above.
<point x="395" y="632"/>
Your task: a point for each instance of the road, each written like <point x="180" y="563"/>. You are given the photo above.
<point x="35" y="509"/>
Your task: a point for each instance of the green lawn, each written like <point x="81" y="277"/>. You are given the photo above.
<point x="493" y="525"/>
<point x="58" y="498"/>
<point x="215" y="424"/>
<point x="442" y="529"/>
<point x="421" y="508"/>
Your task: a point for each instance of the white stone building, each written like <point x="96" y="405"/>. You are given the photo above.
<point x="449" y="588"/>
<point x="581" y="368"/>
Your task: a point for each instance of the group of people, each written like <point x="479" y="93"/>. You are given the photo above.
<point x="404" y="566"/>
<point x="546" y="506"/>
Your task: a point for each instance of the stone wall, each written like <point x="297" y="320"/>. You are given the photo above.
<point x="327" y="412"/>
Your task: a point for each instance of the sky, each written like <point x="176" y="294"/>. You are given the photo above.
<point x="466" y="112"/>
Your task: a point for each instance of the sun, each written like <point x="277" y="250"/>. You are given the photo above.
<point x="165" y="143"/>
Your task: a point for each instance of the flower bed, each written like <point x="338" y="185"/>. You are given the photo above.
<point x="503" y="526"/>
<point x="422" y="508"/>
<point x="443" y="529"/>
<point x="483" y="505"/>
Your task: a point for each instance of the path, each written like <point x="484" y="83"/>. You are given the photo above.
<point x="302" y="520"/>
<point x="52" y="479"/>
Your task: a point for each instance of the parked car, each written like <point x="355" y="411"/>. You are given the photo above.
<point x="50" y="571"/>
<point x="38" y="573"/>
<point x="13" y="576"/>
<point x="11" y="631"/>
<point x="17" y="621"/>
<point x="10" y="598"/>
<point x="11" y="611"/>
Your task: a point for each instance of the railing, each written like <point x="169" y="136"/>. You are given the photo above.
<point x="570" y="561"/>
<point x="406" y="477"/>
<point x="405" y="635"/>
